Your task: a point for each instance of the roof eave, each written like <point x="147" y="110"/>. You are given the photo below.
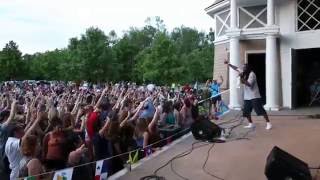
<point x="217" y="7"/>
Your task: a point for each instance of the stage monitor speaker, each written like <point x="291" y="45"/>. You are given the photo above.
<point x="205" y="130"/>
<point x="282" y="165"/>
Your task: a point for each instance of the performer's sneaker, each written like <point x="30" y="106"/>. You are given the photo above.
<point x="269" y="126"/>
<point x="250" y="125"/>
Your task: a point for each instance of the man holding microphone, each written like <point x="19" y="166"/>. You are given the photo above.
<point x="252" y="98"/>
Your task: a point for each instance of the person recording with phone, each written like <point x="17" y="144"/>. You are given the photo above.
<point x="252" y="97"/>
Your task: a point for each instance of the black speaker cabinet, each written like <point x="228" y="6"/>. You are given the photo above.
<point x="205" y="130"/>
<point x="281" y="165"/>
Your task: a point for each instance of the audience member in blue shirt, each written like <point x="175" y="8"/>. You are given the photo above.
<point x="214" y="87"/>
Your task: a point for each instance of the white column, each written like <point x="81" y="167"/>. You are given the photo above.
<point x="272" y="74"/>
<point x="233" y="14"/>
<point x="270" y="12"/>
<point x="235" y="93"/>
<point x="272" y="64"/>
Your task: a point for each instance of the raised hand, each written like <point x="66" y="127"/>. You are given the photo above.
<point x="14" y="104"/>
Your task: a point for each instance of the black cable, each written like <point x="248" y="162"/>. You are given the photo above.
<point x="171" y="164"/>
<point x="236" y="118"/>
<point x="244" y="137"/>
<point x="235" y="126"/>
<point x="314" y="168"/>
<point x="232" y="120"/>
<point x="156" y="177"/>
<point x="205" y="163"/>
<point x="177" y="156"/>
<point x="152" y="177"/>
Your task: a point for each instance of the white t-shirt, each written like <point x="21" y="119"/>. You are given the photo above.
<point x="14" y="155"/>
<point x="253" y="91"/>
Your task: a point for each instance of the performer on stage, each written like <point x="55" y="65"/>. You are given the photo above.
<point x="252" y="98"/>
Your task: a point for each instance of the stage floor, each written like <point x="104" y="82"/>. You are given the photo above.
<point x="240" y="159"/>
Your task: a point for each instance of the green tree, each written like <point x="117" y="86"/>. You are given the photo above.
<point x="129" y="46"/>
<point x="160" y="63"/>
<point x="11" y="65"/>
<point x="195" y="50"/>
<point x="97" y="57"/>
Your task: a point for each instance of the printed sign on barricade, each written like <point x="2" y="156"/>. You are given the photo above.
<point x="222" y="109"/>
<point x="65" y="174"/>
<point x="134" y="159"/>
<point x="31" y="178"/>
<point x="101" y="170"/>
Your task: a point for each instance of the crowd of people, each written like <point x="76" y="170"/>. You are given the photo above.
<point x="45" y="127"/>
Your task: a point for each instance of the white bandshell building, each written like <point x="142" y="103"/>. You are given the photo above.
<point x="280" y="39"/>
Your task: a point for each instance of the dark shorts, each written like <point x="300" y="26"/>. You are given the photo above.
<point x="255" y="104"/>
<point x="215" y="99"/>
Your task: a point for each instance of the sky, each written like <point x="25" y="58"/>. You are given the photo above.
<point x="41" y="25"/>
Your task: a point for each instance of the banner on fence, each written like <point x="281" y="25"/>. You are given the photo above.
<point x="134" y="159"/>
<point x="65" y="174"/>
<point x="101" y="170"/>
<point x="222" y="109"/>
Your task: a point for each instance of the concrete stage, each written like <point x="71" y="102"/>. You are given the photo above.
<point x="240" y="159"/>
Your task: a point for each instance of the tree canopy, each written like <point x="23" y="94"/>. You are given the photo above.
<point x="147" y="54"/>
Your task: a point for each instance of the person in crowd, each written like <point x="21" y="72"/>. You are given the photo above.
<point x="54" y="143"/>
<point x="186" y="116"/>
<point x="176" y="113"/>
<point x="17" y="134"/>
<point x="30" y="164"/>
<point x="167" y="117"/>
<point x="4" y="135"/>
<point x="148" y="131"/>
<point x="215" y="93"/>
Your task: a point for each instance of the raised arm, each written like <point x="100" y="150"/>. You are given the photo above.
<point x="12" y="113"/>
<point x="125" y="120"/>
<point x="76" y="105"/>
<point x="102" y="95"/>
<point x="8" y="102"/>
<point x="207" y="83"/>
<point x="154" y="121"/>
<point x="135" y="116"/>
<point x="34" y="125"/>
<point x="78" y="116"/>
<point x="232" y="66"/>
<point x="119" y="101"/>
<point x="122" y="103"/>
<point x="28" y="116"/>
<point x="83" y="124"/>
<point x="220" y="80"/>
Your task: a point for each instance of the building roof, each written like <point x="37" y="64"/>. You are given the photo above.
<point x="214" y="3"/>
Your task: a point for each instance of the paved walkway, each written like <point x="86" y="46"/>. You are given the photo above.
<point x="242" y="159"/>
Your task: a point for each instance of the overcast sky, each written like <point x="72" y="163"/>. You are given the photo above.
<point x="40" y="25"/>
